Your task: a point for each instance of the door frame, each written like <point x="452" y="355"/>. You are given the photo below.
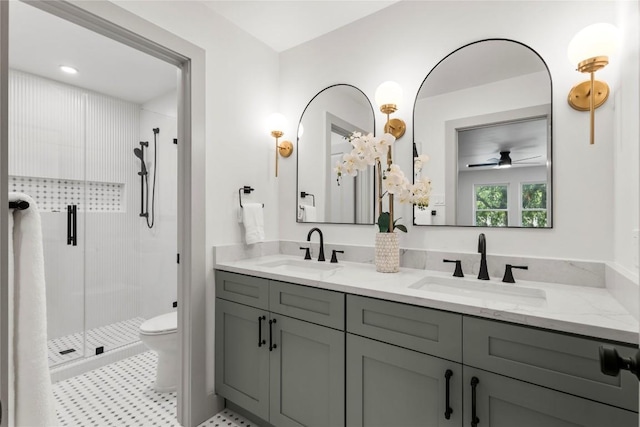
<point x="194" y="401"/>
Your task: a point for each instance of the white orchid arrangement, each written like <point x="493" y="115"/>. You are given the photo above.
<point x="369" y="150"/>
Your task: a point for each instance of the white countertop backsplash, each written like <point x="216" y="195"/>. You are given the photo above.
<point x="586" y="298"/>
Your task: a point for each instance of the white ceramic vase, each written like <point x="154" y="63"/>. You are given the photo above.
<point x="387" y="256"/>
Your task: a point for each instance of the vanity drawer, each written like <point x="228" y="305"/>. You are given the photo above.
<point x="247" y="290"/>
<point x="562" y="362"/>
<point x="421" y="329"/>
<point x="305" y="303"/>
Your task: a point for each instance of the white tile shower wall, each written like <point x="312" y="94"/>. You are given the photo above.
<point x="59" y="131"/>
<point x="112" y="293"/>
<point x="158" y="274"/>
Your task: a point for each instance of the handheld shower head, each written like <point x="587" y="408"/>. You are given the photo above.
<point x="138" y="154"/>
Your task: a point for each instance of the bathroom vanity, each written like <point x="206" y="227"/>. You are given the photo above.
<point x="318" y="344"/>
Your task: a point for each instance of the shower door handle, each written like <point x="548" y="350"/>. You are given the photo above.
<point x="69" y="238"/>
<point x="72" y="225"/>
<point x="75" y="225"/>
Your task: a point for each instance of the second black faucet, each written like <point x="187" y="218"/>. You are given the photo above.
<point x="482" y="250"/>
<point x="321" y="255"/>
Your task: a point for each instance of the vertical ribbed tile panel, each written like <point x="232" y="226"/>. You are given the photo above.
<point x="112" y="288"/>
<point x="58" y="131"/>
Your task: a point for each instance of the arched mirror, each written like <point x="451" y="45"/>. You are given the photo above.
<point x="483" y="115"/>
<point x="329" y="118"/>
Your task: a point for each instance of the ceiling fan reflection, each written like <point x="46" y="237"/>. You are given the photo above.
<point x="504" y="161"/>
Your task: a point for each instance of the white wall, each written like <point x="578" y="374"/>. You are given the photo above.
<point x="158" y="270"/>
<point x="423" y="33"/>
<point x="626" y="100"/>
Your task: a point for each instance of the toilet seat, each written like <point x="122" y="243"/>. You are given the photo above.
<point x="159" y="325"/>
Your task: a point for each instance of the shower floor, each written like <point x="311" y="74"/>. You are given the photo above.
<point x="110" y="337"/>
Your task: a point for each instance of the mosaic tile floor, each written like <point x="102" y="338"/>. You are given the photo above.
<point x="110" y="336"/>
<point x="120" y="395"/>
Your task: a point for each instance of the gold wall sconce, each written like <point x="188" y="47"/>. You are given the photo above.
<point x="276" y="123"/>
<point x="590" y="50"/>
<point x="388" y="96"/>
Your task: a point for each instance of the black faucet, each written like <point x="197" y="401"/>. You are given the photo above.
<point x="321" y="255"/>
<point x="482" y="250"/>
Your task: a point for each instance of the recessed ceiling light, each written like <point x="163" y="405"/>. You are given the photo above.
<point x="69" y="70"/>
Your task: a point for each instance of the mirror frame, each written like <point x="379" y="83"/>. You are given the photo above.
<point x="550" y="191"/>
<point x="373" y="114"/>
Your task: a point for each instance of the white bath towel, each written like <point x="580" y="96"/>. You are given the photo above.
<point x="253" y="220"/>
<point x="31" y="388"/>
<point x="310" y="214"/>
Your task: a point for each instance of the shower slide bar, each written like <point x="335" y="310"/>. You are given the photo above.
<point x="19" y="204"/>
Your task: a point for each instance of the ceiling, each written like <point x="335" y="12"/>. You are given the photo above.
<point x="524" y="139"/>
<point x="40" y="42"/>
<point x="286" y="24"/>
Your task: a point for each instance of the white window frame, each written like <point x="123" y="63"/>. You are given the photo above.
<point x="490" y="184"/>
<point x="521" y="209"/>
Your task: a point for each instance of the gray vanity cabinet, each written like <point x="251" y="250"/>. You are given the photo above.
<point x="242" y="368"/>
<point x="397" y="368"/>
<point x="505" y="402"/>
<point x="274" y="362"/>
<point x="393" y="386"/>
<point x="306" y="375"/>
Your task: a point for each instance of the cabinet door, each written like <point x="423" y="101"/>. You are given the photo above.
<point x="393" y="386"/>
<point x="307" y="374"/>
<point x="242" y="366"/>
<point x="505" y="402"/>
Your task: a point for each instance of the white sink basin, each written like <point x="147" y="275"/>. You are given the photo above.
<point x="480" y="289"/>
<point x="300" y="266"/>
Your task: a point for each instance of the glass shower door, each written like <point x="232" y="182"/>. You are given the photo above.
<point x="47" y="162"/>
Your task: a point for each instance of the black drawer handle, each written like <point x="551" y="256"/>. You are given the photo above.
<point x="474" y="417"/>
<point x="261" y="342"/>
<point x="448" y="411"/>
<point x="272" y="345"/>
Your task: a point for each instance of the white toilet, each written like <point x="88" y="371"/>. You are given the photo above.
<point x="160" y="334"/>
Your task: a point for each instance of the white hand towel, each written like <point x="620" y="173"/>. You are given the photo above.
<point x="31" y="388"/>
<point x="310" y="214"/>
<point x="253" y="220"/>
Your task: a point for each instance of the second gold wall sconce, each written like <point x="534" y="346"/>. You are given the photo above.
<point x="590" y="50"/>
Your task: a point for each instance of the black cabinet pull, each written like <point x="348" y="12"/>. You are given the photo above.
<point x="448" y="411"/>
<point x="474" y="416"/>
<point x="74" y="214"/>
<point x="261" y="342"/>
<point x="272" y="345"/>
<point x="68" y="224"/>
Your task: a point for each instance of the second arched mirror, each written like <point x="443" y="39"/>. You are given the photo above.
<point x="483" y="115"/>
<point x="329" y="118"/>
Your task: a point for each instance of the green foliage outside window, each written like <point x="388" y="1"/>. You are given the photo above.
<point x="491" y="205"/>
<point x="534" y="205"/>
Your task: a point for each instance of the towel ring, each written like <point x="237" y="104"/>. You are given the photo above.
<point x="304" y="194"/>
<point x="246" y="190"/>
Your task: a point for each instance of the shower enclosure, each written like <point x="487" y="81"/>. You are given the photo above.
<point x="71" y="142"/>
<point x="70" y="150"/>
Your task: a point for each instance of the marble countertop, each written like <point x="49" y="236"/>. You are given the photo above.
<point x="574" y="309"/>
